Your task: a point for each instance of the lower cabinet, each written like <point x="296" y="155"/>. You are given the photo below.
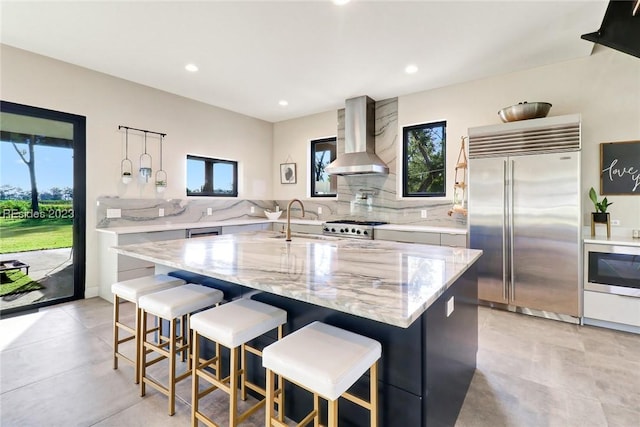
<point x="231" y="229"/>
<point x="427" y="238"/>
<point x="297" y="228"/>
<point x="610" y="310"/>
<point x="114" y="267"/>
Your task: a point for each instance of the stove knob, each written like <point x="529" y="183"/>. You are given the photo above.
<point x="333" y="230"/>
<point x="326" y="229"/>
<point x="353" y="230"/>
<point x="365" y="232"/>
<point x="358" y="232"/>
<point x="342" y="230"/>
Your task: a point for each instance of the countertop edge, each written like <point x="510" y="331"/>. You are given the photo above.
<point x="403" y="322"/>
<point x="183" y="226"/>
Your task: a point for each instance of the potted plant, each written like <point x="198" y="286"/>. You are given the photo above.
<point x="600" y="215"/>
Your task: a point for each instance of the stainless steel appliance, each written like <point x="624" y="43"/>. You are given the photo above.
<point x="525" y="214"/>
<point x="612" y="269"/>
<point x="359" y="155"/>
<point x="350" y="228"/>
<point x="203" y="232"/>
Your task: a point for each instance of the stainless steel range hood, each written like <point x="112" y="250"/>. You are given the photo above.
<point x="359" y="141"/>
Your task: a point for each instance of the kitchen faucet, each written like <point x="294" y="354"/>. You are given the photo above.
<point x="288" y="236"/>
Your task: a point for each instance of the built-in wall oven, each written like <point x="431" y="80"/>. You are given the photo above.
<point x="613" y="269"/>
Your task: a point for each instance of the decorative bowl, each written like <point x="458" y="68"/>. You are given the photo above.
<point x="524" y="111"/>
<point x="273" y="215"/>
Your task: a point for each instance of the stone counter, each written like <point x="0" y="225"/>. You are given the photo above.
<point x="389" y="282"/>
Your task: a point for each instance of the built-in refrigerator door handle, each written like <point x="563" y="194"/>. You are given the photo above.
<point x="504" y="230"/>
<point x="512" y="281"/>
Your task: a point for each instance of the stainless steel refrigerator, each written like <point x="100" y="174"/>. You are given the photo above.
<point x="525" y="214"/>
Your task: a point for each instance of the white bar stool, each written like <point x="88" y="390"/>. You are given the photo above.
<point x="327" y="361"/>
<point x="171" y="305"/>
<point x="132" y="290"/>
<point x="231" y="325"/>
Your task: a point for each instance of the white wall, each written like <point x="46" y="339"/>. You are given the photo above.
<point x="107" y="102"/>
<point x="604" y="88"/>
<point x="291" y="143"/>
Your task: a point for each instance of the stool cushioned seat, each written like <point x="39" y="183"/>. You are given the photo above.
<point x="237" y="322"/>
<point x="322" y="358"/>
<point x="133" y="289"/>
<point x="176" y="302"/>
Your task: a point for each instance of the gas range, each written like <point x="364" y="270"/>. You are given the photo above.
<point x="350" y="228"/>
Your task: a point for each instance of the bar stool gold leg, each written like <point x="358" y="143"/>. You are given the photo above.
<point x="116" y="319"/>
<point x="233" y="388"/>
<point x="138" y="344"/>
<point x="172" y="367"/>
<point x="243" y="375"/>
<point x="195" y="386"/>
<point x="270" y="398"/>
<point x="373" y="396"/>
<point x="333" y="413"/>
<point x="316" y="408"/>
<point x="280" y="385"/>
<point x="143" y="353"/>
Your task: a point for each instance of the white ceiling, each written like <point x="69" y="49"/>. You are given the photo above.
<point x="314" y="54"/>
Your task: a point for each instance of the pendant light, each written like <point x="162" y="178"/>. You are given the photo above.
<point x="126" y="166"/>
<point x="145" y="163"/>
<point x="161" y="175"/>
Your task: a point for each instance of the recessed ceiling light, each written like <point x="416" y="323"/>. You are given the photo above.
<point x="411" y="69"/>
<point x="283" y="103"/>
<point x="340" y="2"/>
<point x="191" y="67"/>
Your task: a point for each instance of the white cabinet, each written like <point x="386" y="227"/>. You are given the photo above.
<point x="619" y="309"/>
<point x="231" y="229"/>
<point x="114" y="267"/>
<point x="427" y="238"/>
<point x="297" y="228"/>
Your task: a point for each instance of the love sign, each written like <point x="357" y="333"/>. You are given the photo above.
<point x="620" y="167"/>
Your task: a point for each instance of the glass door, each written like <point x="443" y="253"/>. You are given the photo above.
<point x="42" y="207"/>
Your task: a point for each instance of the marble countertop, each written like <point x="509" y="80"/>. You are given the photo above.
<point x="613" y="240"/>
<point x="183" y="226"/>
<point x="390" y="282"/>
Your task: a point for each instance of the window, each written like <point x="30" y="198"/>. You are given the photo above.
<point x="323" y="152"/>
<point x="424" y="160"/>
<point x="211" y="177"/>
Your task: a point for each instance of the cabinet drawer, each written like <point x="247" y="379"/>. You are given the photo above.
<point x="408" y="236"/>
<point x="153" y="236"/>
<point x="231" y="229"/>
<point x="455" y="240"/>
<point x="612" y="308"/>
<point x="134" y="274"/>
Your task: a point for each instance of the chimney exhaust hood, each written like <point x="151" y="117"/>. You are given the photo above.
<point x="359" y="141"/>
<point x="620" y="28"/>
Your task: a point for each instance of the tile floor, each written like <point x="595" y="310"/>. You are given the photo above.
<point x="56" y="370"/>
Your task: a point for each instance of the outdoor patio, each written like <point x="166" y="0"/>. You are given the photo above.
<point x="52" y="268"/>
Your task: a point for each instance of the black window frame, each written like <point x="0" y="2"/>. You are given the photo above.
<point x="312" y="168"/>
<point x="405" y="159"/>
<point x="209" y="163"/>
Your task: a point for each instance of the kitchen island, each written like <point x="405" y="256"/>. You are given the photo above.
<point x="419" y="301"/>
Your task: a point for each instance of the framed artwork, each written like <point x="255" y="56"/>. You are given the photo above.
<point x="620" y="167"/>
<point x="288" y="173"/>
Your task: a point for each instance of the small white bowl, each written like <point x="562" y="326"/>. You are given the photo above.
<point x="273" y="215"/>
